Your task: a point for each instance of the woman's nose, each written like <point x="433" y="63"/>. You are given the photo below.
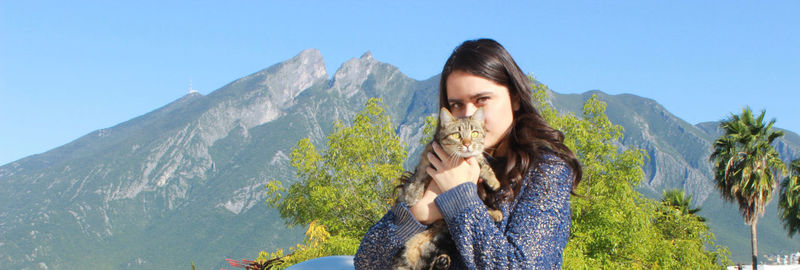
<point x="469" y="110"/>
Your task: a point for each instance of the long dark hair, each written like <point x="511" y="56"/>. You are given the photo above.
<point x="530" y="135"/>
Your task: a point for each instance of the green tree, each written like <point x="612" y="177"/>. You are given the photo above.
<point x="350" y="185"/>
<point x="677" y="221"/>
<point x="613" y="225"/>
<point x="677" y="199"/>
<point x="789" y="199"/>
<point x="746" y="166"/>
<point x="342" y="191"/>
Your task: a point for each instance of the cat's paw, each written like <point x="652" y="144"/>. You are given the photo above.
<point x="496" y="215"/>
<point x="492" y="183"/>
<point x="441" y="262"/>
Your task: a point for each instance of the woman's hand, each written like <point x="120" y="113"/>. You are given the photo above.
<point x="425" y="210"/>
<point x="450" y="172"/>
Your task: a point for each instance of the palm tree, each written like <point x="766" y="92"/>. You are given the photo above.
<point x="746" y="166"/>
<point x="789" y="199"/>
<point x="676" y="198"/>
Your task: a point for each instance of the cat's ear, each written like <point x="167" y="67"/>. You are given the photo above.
<point x="445" y="116"/>
<point x="478" y="115"/>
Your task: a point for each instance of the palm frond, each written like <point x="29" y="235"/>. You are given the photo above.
<point x="789" y="199"/>
<point x="745" y="163"/>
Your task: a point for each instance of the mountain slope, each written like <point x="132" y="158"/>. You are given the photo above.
<point x="678" y="158"/>
<point x="185" y="182"/>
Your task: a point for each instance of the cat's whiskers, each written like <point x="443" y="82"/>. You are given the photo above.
<point x="452" y="158"/>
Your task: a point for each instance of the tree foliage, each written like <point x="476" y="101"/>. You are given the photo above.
<point x="347" y="187"/>
<point x="342" y="190"/>
<point x="350" y="184"/>
<point x="681" y="202"/>
<point x="613" y="225"/>
<point x="318" y="242"/>
<point x="789" y="199"/>
<point x="746" y="166"/>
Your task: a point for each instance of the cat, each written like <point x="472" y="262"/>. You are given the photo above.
<point x="459" y="138"/>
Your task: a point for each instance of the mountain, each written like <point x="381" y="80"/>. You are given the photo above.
<point x="678" y="158"/>
<point x="185" y="182"/>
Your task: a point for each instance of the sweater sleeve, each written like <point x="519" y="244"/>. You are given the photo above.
<point x="385" y="238"/>
<point x="536" y="231"/>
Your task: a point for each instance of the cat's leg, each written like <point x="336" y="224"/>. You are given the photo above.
<point x="443" y="247"/>
<point x="412" y="255"/>
<point x="400" y="260"/>
<point x="413" y="190"/>
<point x="489" y="178"/>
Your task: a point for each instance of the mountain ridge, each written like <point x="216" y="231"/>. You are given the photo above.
<point x="189" y="175"/>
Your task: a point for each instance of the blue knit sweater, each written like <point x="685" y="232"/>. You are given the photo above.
<point x="532" y="234"/>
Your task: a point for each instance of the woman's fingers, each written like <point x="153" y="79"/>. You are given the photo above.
<point x="436" y="163"/>
<point x="448" y="171"/>
<point x="431" y="171"/>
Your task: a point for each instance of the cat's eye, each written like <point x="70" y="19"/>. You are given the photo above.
<point x="475" y="134"/>
<point x="456" y="136"/>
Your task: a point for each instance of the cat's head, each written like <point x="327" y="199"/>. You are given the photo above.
<point x="461" y="137"/>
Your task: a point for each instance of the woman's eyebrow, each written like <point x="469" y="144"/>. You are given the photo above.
<point x="475" y="96"/>
<point x="484" y="93"/>
<point x="454" y="100"/>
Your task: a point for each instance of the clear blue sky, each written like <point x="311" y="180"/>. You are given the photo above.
<point x="70" y="67"/>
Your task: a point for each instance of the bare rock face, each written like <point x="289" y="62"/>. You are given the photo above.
<point x="243" y="104"/>
<point x="349" y="78"/>
<point x="149" y="163"/>
<point x="190" y="175"/>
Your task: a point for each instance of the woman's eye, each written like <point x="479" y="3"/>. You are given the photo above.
<point x="483" y="99"/>
<point x="455" y="106"/>
<point x="474" y="134"/>
<point x="455" y="136"/>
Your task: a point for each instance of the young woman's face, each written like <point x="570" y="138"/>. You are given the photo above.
<point x="466" y="93"/>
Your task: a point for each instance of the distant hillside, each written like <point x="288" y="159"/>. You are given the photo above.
<point x="678" y="158"/>
<point x="185" y="182"/>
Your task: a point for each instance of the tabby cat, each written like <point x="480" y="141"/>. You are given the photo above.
<point x="460" y="138"/>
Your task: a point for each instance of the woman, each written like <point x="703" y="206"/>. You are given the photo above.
<point x="536" y="170"/>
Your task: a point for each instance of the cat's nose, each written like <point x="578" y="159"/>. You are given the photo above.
<point x="467" y="142"/>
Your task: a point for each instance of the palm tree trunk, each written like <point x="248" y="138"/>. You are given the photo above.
<point x="754" y="243"/>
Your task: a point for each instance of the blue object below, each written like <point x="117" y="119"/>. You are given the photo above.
<point x="330" y="262"/>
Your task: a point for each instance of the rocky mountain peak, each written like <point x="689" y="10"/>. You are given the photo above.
<point x="205" y="160"/>
<point x="351" y="75"/>
<point x="280" y="82"/>
<point x="286" y="80"/>
<point x="367" y="55"/>
<point x="312" y="61"/>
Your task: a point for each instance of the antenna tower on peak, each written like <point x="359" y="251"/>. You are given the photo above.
<point x="191" y="90"/>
